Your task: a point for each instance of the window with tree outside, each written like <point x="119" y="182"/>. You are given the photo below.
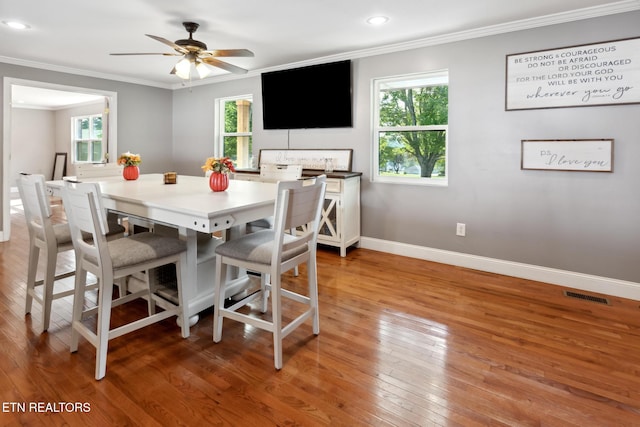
<point x="410" y="128"/>
<point x="234" y="126"/>
<point x="87" y="139"/>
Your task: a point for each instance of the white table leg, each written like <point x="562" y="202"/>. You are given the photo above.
<point x="190" y="288"/>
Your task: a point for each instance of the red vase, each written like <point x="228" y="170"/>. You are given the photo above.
<point x="219" y="181"/>
<point x="131" y="173"/>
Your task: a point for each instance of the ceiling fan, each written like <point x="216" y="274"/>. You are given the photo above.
<point x="195" y="53"/>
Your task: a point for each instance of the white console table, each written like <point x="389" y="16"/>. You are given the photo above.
<point x="340" y="225"/>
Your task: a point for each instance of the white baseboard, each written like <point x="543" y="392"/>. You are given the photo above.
<point x="585" y="282"/>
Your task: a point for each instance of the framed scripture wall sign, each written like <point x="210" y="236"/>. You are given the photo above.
<point x="579" y="76"/>
<point x="585" y="155"/>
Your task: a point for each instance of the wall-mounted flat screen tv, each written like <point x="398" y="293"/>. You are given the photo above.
<point x="316" y="96"/>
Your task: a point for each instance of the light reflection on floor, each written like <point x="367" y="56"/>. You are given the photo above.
<point x="412" y="363"/>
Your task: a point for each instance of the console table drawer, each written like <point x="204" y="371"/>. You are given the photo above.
<point x="334" y="185"/>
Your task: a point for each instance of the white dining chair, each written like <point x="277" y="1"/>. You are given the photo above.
<point x="112" y="261"/>
<point x="87" y="171"/>
<point x="48" y="239"/>
<point x="273" y="173"/>
<point x="97" y="171"/>
<point x="272" y="252"/>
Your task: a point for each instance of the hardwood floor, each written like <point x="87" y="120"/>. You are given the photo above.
<point x="403" y="342"/>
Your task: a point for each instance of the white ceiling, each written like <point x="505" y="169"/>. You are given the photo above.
<point x="77" y="36"/>
<point x="48" y="99"/>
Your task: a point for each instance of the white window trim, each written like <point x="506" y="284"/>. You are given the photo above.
<point x="74" y="140"/>
<point x="219" y="133"/>
<point x="375" y="130"/>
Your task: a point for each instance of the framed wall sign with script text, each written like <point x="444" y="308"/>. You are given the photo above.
<point x="309" y="159"/>
<point x="581" y="155"/>
<point x="579" y="76"/>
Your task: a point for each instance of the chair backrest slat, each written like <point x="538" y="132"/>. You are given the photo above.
<point x="298" y="212"/>
<point x="84" y="217"/>
<point x="83" y="205"/>
<point x="36" y="206"/>
<point x="97" y="170"/>
<point x="298" y="205"/>
<point x="274" y="173"/>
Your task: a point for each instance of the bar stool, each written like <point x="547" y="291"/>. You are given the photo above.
<point x="272" y="252"/>
<point x="112" y="261"/>
<point x="48" y="238"/>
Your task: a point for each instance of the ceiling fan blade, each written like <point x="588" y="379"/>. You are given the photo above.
<point x="141" y="53"/>
<point x="224" y="65"/>
<point x="169" y="43"/>
<point x="226" y="52"/>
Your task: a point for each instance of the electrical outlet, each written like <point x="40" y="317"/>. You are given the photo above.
<point x="461" y="229"/>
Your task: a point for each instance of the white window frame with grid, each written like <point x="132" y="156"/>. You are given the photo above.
<point x="75" y="120"/>
<point x="221" y="134"/>
<point x="434" y="78"/>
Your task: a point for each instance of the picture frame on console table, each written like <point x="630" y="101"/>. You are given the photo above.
<point x="59" y="166"/>
<point x="586" y="75"/>
<point x="575" y="155"/>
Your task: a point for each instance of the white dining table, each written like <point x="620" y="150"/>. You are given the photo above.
<point x="190" y="207"/>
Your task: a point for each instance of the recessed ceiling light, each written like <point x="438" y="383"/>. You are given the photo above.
<point x="377" y="20"/>
<point x="16" y="25"/>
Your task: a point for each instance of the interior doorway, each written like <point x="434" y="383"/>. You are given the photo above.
<point x="40" y="93"/>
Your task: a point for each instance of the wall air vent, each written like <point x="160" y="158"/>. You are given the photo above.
<point x="591" y="298"/>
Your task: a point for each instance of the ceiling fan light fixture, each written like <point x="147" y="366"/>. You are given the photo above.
<point x="183" y="68"/>
<point x="195" y="56"/>
<point x="202" y="69"/>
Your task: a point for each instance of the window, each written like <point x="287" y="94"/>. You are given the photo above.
<point x="234" y="124"/>
<point x="410" y="128"/>
<point x="86" y="143"/>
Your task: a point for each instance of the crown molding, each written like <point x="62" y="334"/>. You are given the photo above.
<point x="81" y="72"/>
<point x="524" y="24"/>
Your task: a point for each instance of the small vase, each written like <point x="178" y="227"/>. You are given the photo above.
<point x="131" y="173"/>
<point x="219" y="181"/>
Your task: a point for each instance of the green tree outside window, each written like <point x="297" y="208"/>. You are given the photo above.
<point x="411" y="133"/>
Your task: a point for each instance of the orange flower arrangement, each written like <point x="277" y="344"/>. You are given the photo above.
<point x="215" y="164"/>
<point x="129" y="159"/>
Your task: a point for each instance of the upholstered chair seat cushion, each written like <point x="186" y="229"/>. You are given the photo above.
<point x="258" y="247"/>
<point x="63" y="234"/>
<point x="143" y="247"/>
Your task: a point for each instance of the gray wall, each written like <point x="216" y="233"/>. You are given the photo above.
<point x="33" y="142"/>
<point x="62" y="129"/>
<point x="37" y="134"/>
<point x="582" y="222"/>
<point x="577" y="221"/>
<point x="144" y="113"/>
